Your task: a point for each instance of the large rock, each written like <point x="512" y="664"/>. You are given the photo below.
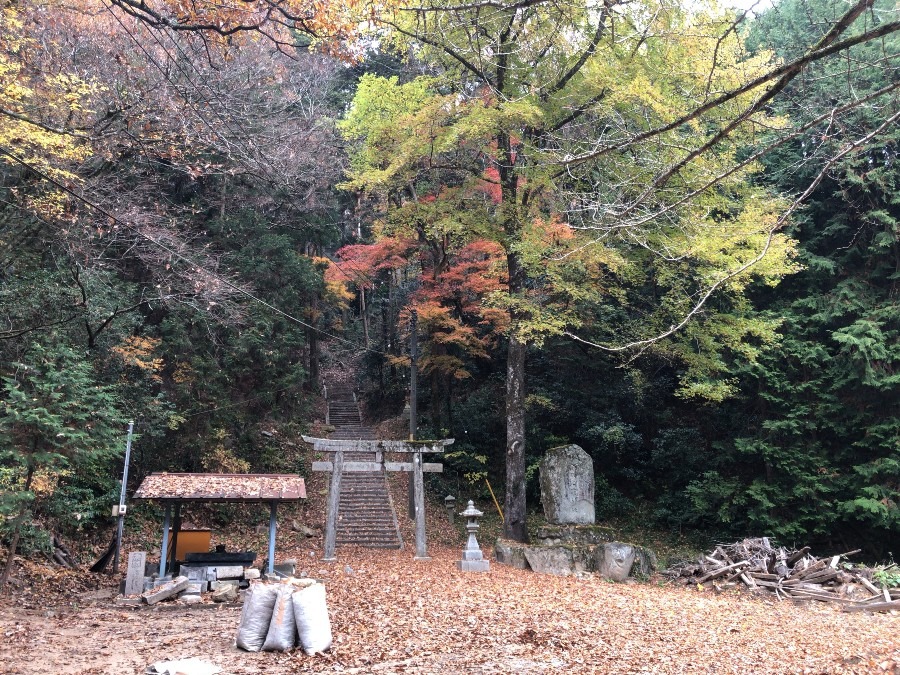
<point x="571" y="535"/>
<point x="226" y="593"/>
<point x="645" y="562"/>
<point x="567" y="486"/>
<point x="550" y="559"/>
<point x="614" y="560"/>
<point x="511" y="553"/>
<point x="558" y="560"/>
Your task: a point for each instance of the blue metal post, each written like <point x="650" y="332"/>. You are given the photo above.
<point x="272" y="507"/>
<point x="165" y="542"/>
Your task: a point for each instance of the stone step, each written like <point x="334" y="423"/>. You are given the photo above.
<point x="374" y="529"/>
<point x="368" y="533"/>
<point x="368" y="543"/>
<point x="365" y="513"/>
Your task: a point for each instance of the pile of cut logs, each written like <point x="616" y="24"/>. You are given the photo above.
<point x="789" y="574"/>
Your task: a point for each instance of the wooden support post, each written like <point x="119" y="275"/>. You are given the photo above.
<point x="334" y="497"/>
<point x="418" y="480"/>
<point x="165" y="542"/>
<point x="272" y="507"/>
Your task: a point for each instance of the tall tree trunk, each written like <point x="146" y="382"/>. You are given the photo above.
<point x="364" y="313"/>
<point x="15" y="538"/>
<point x="514" y="526"/>
<point x="312" y="340"/>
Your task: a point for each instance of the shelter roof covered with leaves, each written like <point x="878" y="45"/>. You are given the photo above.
<point x="222" y="487"/>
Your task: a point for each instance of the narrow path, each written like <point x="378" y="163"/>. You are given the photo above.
<point x="366" y="515"/>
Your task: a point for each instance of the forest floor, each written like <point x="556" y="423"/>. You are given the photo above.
<point x="391" y="614"/>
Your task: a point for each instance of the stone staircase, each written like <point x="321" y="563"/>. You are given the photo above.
<point x="366" y="515"/>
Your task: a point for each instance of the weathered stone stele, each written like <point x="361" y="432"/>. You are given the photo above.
<point x="134" y="580"/>
<point x="567" y="486"/>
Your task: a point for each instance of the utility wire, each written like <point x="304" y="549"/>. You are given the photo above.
<point x="365" y="279"/>
<point x="102" y="211"/>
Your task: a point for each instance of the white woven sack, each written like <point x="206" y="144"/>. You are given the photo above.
<point x="282" y="629"/>
<point x="255" y="616"/>
<point x="311" y="614"/>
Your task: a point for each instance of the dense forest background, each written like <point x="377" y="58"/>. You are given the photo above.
<point x="189" y="237"/>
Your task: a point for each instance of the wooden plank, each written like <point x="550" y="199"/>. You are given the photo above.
<point x="872" y="588"/>
<point x="823" y="596"/>
<point x="763" y="576"/>
<point x="874" y="607"/>
<point x="329" y="445"/>
<point x="722" y="570"/>
<point x="821" y="577"/>
<point x="794" y="557"/>
<point x="748" y="580"/>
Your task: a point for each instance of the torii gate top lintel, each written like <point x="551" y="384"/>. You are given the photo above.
<point x="338" y="466"/>
<point x="361" y="445"/>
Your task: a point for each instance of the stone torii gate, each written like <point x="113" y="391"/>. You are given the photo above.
<point x="338" y="466"/>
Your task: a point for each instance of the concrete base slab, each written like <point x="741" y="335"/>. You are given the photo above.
<point x="474" y="565"/>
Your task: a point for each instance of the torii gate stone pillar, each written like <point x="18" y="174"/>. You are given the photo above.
<point x="338" y="466"/>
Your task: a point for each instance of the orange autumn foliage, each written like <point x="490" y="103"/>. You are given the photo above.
<point x="453" y="312"/>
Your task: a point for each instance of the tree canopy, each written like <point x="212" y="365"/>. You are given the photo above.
<point x="693" y="206"/>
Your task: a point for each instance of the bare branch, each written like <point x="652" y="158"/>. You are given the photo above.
<point x="41" y="125"/>
<point x="850" y="148"/>
<point x="788" y="71"/>
<point x="586" y="54"/>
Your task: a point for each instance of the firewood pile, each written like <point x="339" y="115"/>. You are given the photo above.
<point x="791" y="574"/>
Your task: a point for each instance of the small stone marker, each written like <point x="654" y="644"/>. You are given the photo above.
<point x="251" y="573"/>
<point x="167" y="590"/>
<point x="134" y="579"/>
<point x="567" y="486"/>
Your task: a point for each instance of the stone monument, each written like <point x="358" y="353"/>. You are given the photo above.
<point x="567" y="486"/>
<point x="571" y="542"/>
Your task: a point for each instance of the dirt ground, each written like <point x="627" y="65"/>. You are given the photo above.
<point x="391" y="614"/>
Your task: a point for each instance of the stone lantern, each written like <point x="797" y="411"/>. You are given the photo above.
<point x="450" y="505"/>
<point x="472" y="559"/>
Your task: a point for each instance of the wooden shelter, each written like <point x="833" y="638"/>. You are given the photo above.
<point x="174" y="489"/>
